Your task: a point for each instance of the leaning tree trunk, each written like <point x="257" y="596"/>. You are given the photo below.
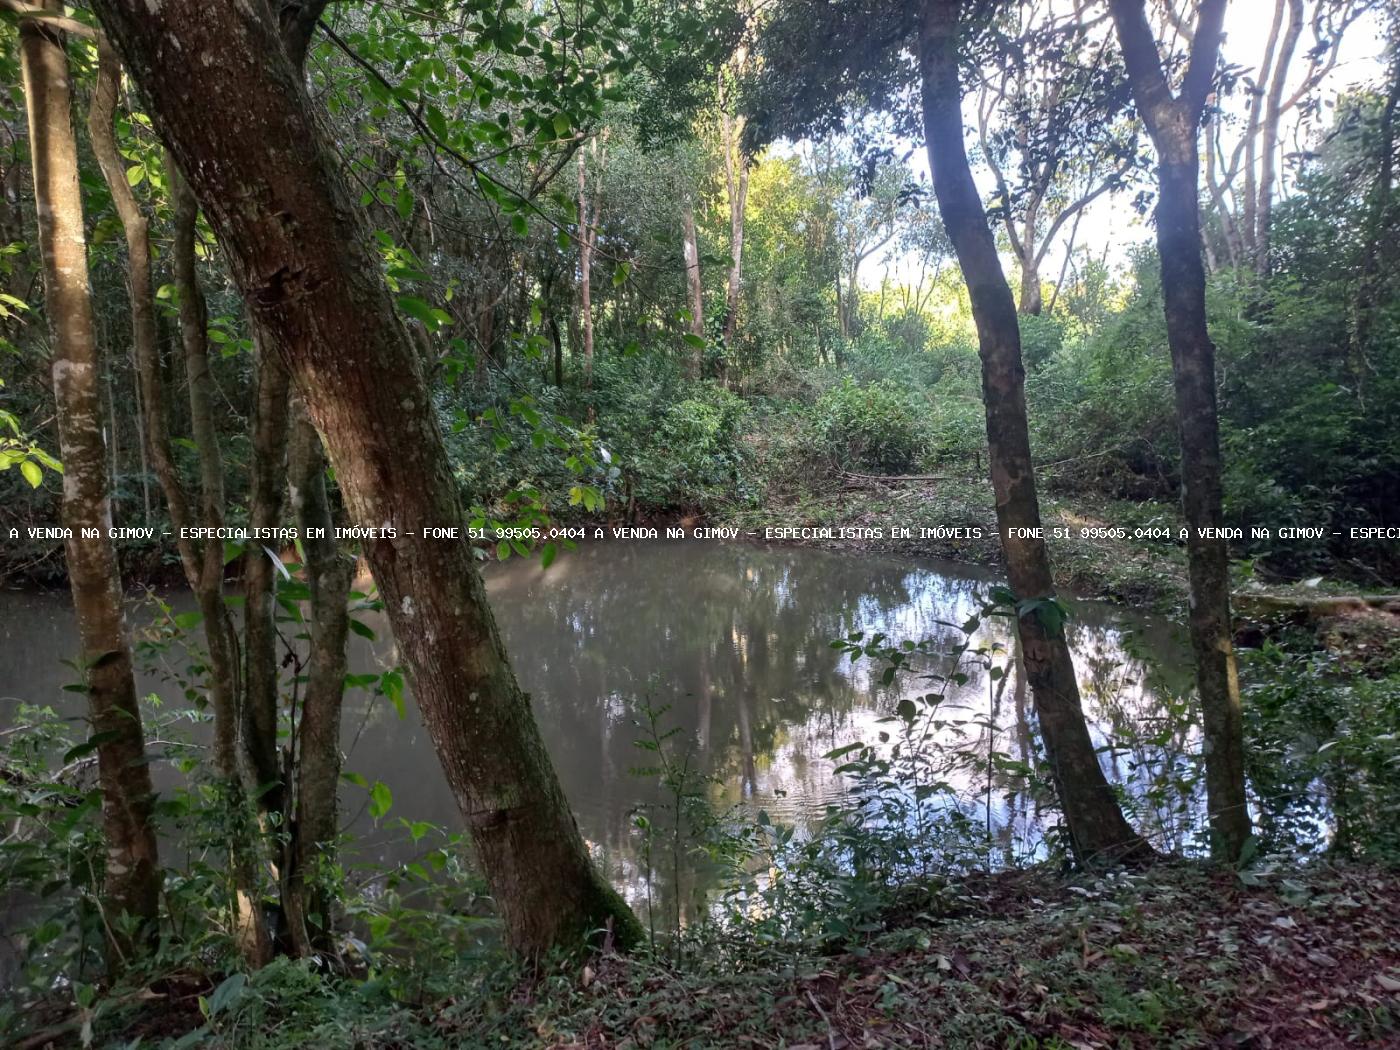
<point x="298" y="251"/>
<point x="1173" y="123"/>
<point x="199" y="562"/>
<point x="1098" y="832"/>
<point x="131" y="880"/>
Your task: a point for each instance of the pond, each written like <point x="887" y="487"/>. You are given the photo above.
<point x="733" y="641"/>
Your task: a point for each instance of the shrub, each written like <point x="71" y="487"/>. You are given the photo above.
<point x="877" y="427"/>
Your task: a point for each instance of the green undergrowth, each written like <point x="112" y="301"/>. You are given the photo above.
<point x="1177" y="955"/>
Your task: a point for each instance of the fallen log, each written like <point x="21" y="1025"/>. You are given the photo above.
<point x="852" y="478"/>
<point x="1312" y="607"/>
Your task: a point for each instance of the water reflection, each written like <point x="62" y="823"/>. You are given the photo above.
<point x="734" y="639"/>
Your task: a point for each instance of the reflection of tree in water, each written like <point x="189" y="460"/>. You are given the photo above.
<point x="736" y="640"/>
<point x="1142" y="715"/>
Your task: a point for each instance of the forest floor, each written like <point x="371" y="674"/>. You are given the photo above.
<point x="1175" y="956"/>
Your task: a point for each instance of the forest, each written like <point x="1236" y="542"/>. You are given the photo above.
<point x="699" y="523"/>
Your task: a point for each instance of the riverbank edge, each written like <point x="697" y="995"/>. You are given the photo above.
<point x="1305" y="955"/>
<point x="1129" y="553"/>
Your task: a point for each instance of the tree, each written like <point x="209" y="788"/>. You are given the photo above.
<point x="1051" y="123"/>
<point x="1096" y="825"/>
<point x="736" y="186"/>
<point x="132" y="872"/>
<point x="297" y="250"/>
<point x="1242" y="178"/>
<point x="203" y="563"/>
<point x="799" y="57"/>
<point x="694" y="287"/>
<point x="1173" y="120"/>
<point x="590" y="208"/>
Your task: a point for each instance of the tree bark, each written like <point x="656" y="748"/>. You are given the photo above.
<point x="1273" y="114"/>
<point x="298" y="250"/>
<point x="1098" y="832"/>
<point x="197" y="566"/>
<point x="1173" y="122"/>
<point x="131" y="877"/>
<point x="1030" y="303"/>
<point x="695" y="290"/>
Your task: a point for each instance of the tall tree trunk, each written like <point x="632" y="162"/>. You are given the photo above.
<point x="1173" y="122"/>
<point x="196" y="559"/>
<point x="267" y="478"/>
<point x="241" y="743"/>
<point x="1249" y="218"/>
<point x="736" y="181"/>
<point x="316" y="746"/>
<point x="586" y="235"/>
<point x="131" y="879"/>
<point x="1273" y="114"/>
<point x="1098" y="832"/>
<point x="695" y="291"/>
<point x="144" y="329"/>
<point x="299" y="252"/>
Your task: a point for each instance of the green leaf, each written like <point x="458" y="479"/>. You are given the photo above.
<point x="380" y="799"/>
<point x="691" y="339"/>
<point x="32" y="473"/>
<point x="437" y="123"/>
<point x="418" y="310"/>
<point x="363" y="629"/>
<point x="227" y="992"/>
<point x="89" y="745"/>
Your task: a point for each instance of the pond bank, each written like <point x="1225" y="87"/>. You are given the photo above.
<point x="1175" y="955"/>
<point x="956" y="520"/>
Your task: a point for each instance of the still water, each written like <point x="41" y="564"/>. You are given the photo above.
<point x="733" y="640"/>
